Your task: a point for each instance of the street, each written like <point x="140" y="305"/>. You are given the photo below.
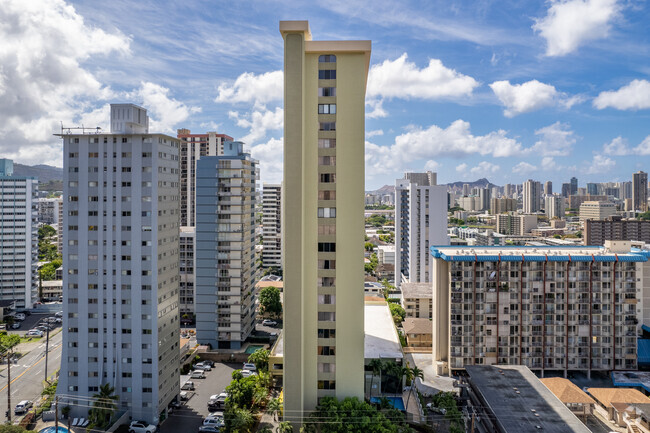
<point x="28" y="374"/>
<point x="190" y="416"/>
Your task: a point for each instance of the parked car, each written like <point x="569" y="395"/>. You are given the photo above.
<point x="19" y="316"/>
<point x="209" y="429"/>
<point x="184" y="395"/>
<point x="203" y="366"/>
<point x="22" y="407"/>
<point x="269" y="322"/>
<point x="15" y="325"/>
<point x="188" y="386"/>
<point x="249" y="366"/>
<point x="217" y="401"/>
<point x="58" y="314"/>
<point x="51" y="319"/>
<point x="197" y="374"/>
<point x="208" y="362"/>
<point x="34" y="333"/>
<point x="214" y="419"/>
<point x="142" y="427"/>
<point x="59" y="320"/>
<point x="247" y="373"/>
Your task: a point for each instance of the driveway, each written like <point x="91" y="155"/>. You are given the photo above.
<point x="190" y="416"/>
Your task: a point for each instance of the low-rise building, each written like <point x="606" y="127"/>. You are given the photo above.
<point x="511" y="224"/>
<point x="613" y="402"/>
<point x="511" y="399"/>
<point x="573" y="397"/>
<point x="616" y="229"/>
<point x="596" y="210"/>
<point x="51" y="290"/>
<point x="386" y="254"/>
<point x="418" y="332"/>
<point x="417" y="300"/>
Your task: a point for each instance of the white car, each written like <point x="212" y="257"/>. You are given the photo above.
<point x="142" y="427"/>
<point x="247" y="373"/>
<point x="19" y="316"/>
<point x="214" y="419"/>
<point x="217" y="401"/>
<point x="34" y="333"/>
<point x="203" y="366"/>
<point x="184" y="395"/>
<point x="249" y="366"/>
<point x="197" y="374"/>
<point x="269" y="322"/>
<point x="22" y="407"/>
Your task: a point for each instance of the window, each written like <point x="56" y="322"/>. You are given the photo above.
<point x="327" y="91"/>
<point x="326" y="316"/>
<point x="327" y="126"/>
<point x="326" y="350"/>
<point x="326" y="384"/>
<point x="326" y="108"/>
<point x="326" y="299"/>
<point x="327" y="74"/>
<point x="327" y="264"/>
<point x="326" y="333"/>
<point x="326" y="247"/>
<point x="328" y="177"/>
<point x="327" y="230"/>
<point x="326" y="212"/>
<point x="327" y="160"/>
<point x="326" y="195"/>
<point x="327" y="58"/>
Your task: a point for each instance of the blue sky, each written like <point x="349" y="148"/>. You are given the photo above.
<point x="505" y="90"/>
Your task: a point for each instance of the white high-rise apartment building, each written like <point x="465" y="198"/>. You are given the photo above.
<point x="272" y="225"/>
<point x="48" y="211"/>
<point x="18" y="237"/>
<point x="532" y="196"/>
<point x="226" y="272"/>
<point x="193" y="147"/>
<point x="187" y="266"/>
<point x="120" y="263"/>
<point x="554" y="206"/>
<point x="420" y="222"/>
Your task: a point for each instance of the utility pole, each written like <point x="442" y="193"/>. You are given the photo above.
<point x="9" y="386"/>
<point x="56" y="414"/>
<point x="472" y="429"/>
<point x="47" y="345"/>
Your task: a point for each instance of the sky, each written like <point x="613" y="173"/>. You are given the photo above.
<point x="506" y="90"/>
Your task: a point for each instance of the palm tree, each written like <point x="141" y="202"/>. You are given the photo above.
<point x="240" y="420"/>
<point x="104" y="407"/>
<point x="275" y="407"/>
<point x="284" y="427"/>
<point x="415" y="373"/>
<point x="376" y="365"/>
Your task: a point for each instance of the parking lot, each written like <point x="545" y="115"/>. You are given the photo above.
<point x="190" y="416"/>
<point x="32" y="321"/>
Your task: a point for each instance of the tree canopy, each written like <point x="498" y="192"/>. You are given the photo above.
<point x="260" y="358"/>
<point x="397" y="312"/>
<point x="270" y="301"/>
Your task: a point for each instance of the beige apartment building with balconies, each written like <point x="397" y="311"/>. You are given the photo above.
<point x="550" y="308"/>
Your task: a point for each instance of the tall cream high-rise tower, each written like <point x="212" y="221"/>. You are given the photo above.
<point x="323" y="225"/>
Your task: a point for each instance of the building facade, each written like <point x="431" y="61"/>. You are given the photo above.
<point x="420" y="222"/>
<point x="417" y="300"/>
<point x="596" y="210"/>
<point x="503" y="205"/>
<point x="554" y="206"/>
<point x="193" y="147"/>
<point x="550" y="308"/>
<point x="512" y="224"/>
<point x="616" y="229"/>
<point x="120" y="262"/>
<point x="272" y="226"/>
<point x="225" y="237"/>
<point x="640" y="191"/>
<point x="532" y="196"/>
<point x="186" y="270"/>
<point x="49" y="210"/>
<point x="323" y="217"/>
<point x="18" y="237"/>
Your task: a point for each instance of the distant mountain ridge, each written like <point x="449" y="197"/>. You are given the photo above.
<point x="481" y="183"/>
<point x="44" y="173"/>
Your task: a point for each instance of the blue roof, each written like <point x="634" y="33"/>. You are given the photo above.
<point x="558" y="258"/>
<point x="529" y="258"/>
<point x="581" y="258"/>
<point x="516" y="258"/>
<point x="634" y="256"/>
<point x="605" y="258"/>
<point x="488" y="258"/>
<point x="643" y="351"/>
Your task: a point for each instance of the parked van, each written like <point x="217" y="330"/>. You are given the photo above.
<point x="197" y="374"/>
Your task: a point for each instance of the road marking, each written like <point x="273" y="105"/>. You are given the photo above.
<point x="29" y="368"/>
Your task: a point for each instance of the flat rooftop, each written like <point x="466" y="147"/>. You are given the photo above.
<point x="457" y="253"/>
<point x="381" y="340"/>
<point x="520" y="402"/>
<point x="417" y="290"/>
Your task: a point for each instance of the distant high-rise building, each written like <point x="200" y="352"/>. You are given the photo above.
<point x="225" y="237"/>
<point x="48" y="211"/>
<point x="193" y="147"/>
<point x="484" y="194"/>
<point x="532" y="196"/>
<point x="120" y="263"/>
<point x="466" y="189"/>
<point x="426" y="178"/>
<point x="502" y="205"/>
<point x="566" y="190"/>
<point x="324" y="99"/>
<point x="574" y="186"/>
<point x="554" y="206"/>
<point x="592" y="188"/>
<point x="548" y="187"/>
<point x="272" y="225"/>
<point x="18" y="237"/>
<point x="420" y="221"/>
<point x="596" y="210"/>
<point x="640" y="191"/>
<point x="187" y="275"/>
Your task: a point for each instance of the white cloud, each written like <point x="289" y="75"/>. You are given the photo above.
<point x="400" y="78"/>
<point x="461" y="168"/>
<point x="431" y="165"/>
<point x="164" y="112"/>
<point x="523" y="168"/>
<point x="248" y="87"/>
<point x="620" y="147"/>
<point x="484" y="168"/>
<point x="270" y="156"/>
<point x="634" y="96"/>
<point x="570" y="23"/>
<point x="600" y="164"/>
<point x="556" y="140"/>
<point x="548" y="164"/>
<point x="374" y="133"/>
<point x="259" y="122"/>
<point x="435" y="142"/>
<point x="530" y="96"/>
<point x="377" y="109"/>
<point x="42" y="82"/>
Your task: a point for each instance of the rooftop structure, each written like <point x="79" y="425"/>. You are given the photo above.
<point x="511" y="399"/>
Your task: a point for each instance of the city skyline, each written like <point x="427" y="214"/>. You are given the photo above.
<point x="468" y="92"/>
